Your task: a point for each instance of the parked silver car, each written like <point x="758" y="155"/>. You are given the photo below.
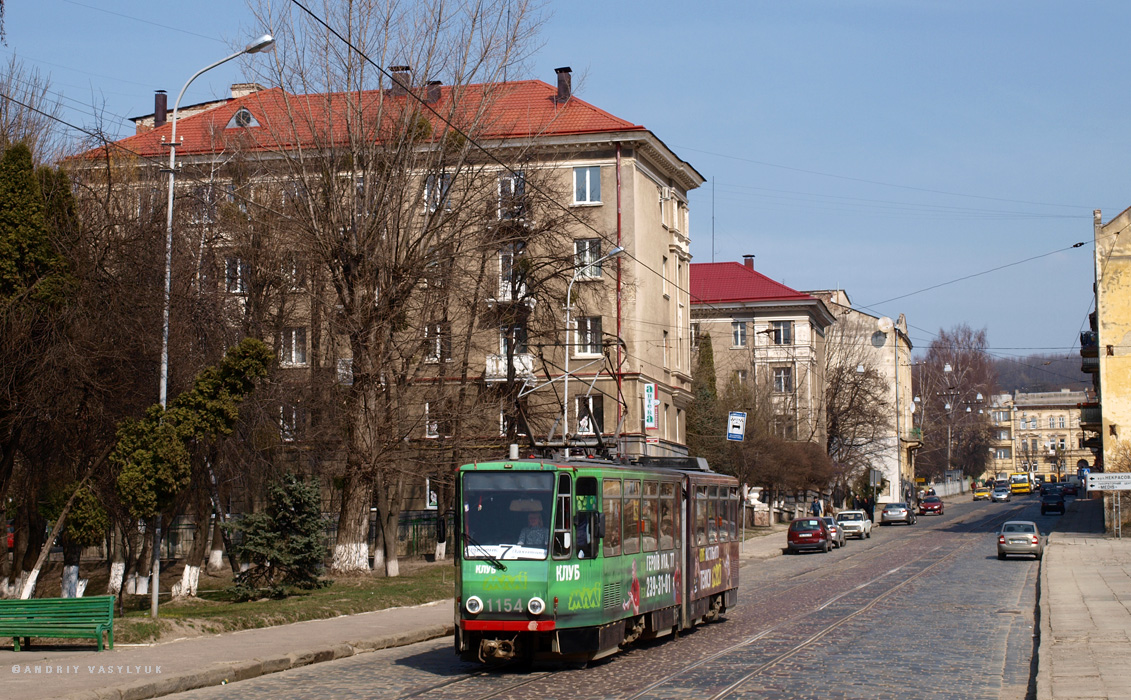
<point x="897" y="513"/>
<point x="1020" y="537"/>
<point x="836" y="532"/>
<point x="1001" y="495"/>
<point x="855" y="523"/>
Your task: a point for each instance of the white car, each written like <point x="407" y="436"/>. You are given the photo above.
<point x="855" y="523"/>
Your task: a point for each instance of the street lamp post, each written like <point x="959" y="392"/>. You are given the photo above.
<point x="615" y="252"/>
<point x="263" y="43"/>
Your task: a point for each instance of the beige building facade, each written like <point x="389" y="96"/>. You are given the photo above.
<point x="1038" y="432"/>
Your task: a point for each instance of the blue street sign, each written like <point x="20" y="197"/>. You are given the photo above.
<point x="736" y="426"/>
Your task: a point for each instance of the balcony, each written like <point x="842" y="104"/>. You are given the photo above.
<point x="1090" y="365"/>
<point x="1089" y="344"/>
<point x="1091" y="417"/>
<point x="1092" y="443"/>
<point x="914" y="436"/>
<point x="496" y="369"/>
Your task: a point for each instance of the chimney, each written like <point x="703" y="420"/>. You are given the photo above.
<point x="565" y="83"/>
<point x="748" y="261"/>
<point x="402" y="79"/>
<point x="160" y="108"/>
<point x="432" y="92"/>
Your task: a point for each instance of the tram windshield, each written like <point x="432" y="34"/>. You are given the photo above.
<point x="506" y="515"/>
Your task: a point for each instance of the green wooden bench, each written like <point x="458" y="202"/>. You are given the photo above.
<point x="78" y="618"/>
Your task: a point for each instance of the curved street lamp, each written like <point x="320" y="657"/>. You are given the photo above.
<point x="263" y="43"/>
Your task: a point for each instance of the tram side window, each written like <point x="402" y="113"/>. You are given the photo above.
<point x="631" y="516"/>
<point x="700" y="515"/>
<point x="587" y="519"/>
<point x="650" y="522"/>
<point x="610" y="493"/>
<point x="563" y="518"/>
<point x="735" y="513"/>
<point x="668" y="516"/>
<point x="712" y="514"/>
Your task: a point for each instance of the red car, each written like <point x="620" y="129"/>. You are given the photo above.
<point x="931" y="504"/>
<point x="808" y="534"/>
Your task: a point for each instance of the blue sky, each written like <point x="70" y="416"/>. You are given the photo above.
<point x="883" y="147"/>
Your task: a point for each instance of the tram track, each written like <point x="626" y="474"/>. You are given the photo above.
<point x="972" y="531"/>
<point x="460" y="685"/>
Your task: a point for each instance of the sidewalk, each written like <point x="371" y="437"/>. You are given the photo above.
<point x="1085" y="599"/>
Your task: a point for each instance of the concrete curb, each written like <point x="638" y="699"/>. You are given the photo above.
<point x="231" y="672"/>
<point x="1044" y="644"/>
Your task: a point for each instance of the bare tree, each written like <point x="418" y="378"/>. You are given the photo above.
<point x="858" y="410"/>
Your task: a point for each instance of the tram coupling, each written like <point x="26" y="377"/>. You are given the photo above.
<point x="496" y="650"/>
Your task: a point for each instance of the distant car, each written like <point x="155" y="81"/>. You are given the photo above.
<point x="897" y="513"/>
<point x="1051" y="487"/>
<point x="982" y="493"/>
<point x="1052" y="503"/>
<point x="836" y="532"/>
<point x="806" y="534"/>
<point x="931" y="504"/>
<point x="1069" y="489"/>
<point x="1001" y="495"/>
<point x="1019" y="537"/>
<point x="855" y="523"/>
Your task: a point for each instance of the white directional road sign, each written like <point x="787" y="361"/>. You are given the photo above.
<point x="1109" y="481"/>
<point x="736" y="426"/>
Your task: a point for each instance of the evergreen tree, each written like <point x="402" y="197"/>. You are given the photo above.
<point x="26" y="253"/>
<point x="706" y="417"/>
<point x="283" y="544"/>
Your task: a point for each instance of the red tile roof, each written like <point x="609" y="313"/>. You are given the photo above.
<point x="516" y="110"/>
<point x="732" y="282"/>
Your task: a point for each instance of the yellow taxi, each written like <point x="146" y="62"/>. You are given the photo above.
<point x="981" y="493"/>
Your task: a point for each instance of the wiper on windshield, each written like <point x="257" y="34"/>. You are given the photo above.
<point x="490" y="559"/>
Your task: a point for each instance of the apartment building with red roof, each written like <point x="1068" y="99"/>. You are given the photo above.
<point x="767" y="336"/>
<point x="619" y="185"/>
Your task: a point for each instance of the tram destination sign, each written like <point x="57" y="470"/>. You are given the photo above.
<point x="1109" y="481"/>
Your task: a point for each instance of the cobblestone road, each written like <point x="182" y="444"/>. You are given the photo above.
<point x="914" y="612"/>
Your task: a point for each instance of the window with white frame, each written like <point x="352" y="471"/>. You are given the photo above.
<point x="1002" y="453"/>
<point x="512" y="280"/>
<point x="437" y="188"/>
<point x="1003" y="434"/>
<point x="431" y="422"/>
<point x="1060" y="422"/>
<point x="740" y="375"/>
<point x="590" y="412"/>
<point x="783" y="380"/>
<point x="437" y="342"/>
<point x="345" y="371"/>
<point x="783" y="332"/>
<point x="505" y="424"/>
<point x="587" y="185"/>
<point x="235" y="275"/>
<point x="695" y="332"/>
<point x="292" y="349"/>
<point x="291" y="421"/>
<point x="587" y="339"/>
<point x="1060" y="443"/>
<point x="586" y="253"/>
<point x="512" y="195"/>
<point x="664" y="274"/>
<point x="512" y="339"/>
<point x="1052" y="421"/>
<point x="294" y="274"/>
<point x="667" y="350"/>
<point x="738" y="334"/>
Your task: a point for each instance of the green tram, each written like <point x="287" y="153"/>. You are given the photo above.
<point x="572" y="559"/>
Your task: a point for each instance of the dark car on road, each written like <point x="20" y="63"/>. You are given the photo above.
<point x="1069" y="489"/>
<point x="931" y="504"/>
<point x="808" y="534"/>
<point x="1052" y="503"/>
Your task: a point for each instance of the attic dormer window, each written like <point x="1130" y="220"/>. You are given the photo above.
<point x="241" y="119"/>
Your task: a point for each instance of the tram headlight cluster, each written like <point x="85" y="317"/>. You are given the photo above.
<point x="474" y="605"/>
<point x="536" y="606"/>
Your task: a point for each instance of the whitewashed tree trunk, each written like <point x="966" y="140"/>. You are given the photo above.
<point x="190" y="578"/>
<point x="117" y="571"/>
<point x="80" y="587"/>
<point x="352" y="556"/>
<point x="137" y="585"/>
<point x="441" y="551"/>
<point x="70" y="581"/>
<point x="27" y="583"/>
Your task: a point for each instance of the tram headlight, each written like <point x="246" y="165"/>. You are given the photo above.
<point x="474" y="605"/>
<point x="536" y="606"/>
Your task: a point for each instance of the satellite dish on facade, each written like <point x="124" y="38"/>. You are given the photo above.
<point x="885" y="324"/>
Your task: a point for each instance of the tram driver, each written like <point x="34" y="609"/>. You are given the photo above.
<point x="535" y="534"/>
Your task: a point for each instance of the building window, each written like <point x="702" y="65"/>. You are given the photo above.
<point x="1003" y="434"/>
<point x="1033" y="445"/>
<point x="1060" y="443"/>
<point x="294" y="274"/>
<point x="695" y="331"/>
<point x="512" y="280"/>
<point x="783" y="332"/>
<point x="590" y="412"/>
<point x="437" y="187"/>
<point x="293" y="347"/>
<point x="512" y="195"/>
<point x="437" y="343"/>
<point x="586" y="253"/>
<point x="291" y="421"/>
<point x="587" y="185"/>
<point x="1052" y="422"/>
<point x="785" y="428"/>
<point x="740" y="376"/>
<point x="664" y="274"/>
<point x="512" y="338"/>
<point x="1060" y="422"/>
<point x="1001" y="453"/>
<point x="235" y="275"/>
<point x="667" y="359"/>
<point x="588" y="337"/>
<point x="783" y="380"/>
<point x="738" y="334"/>
<point x="345" y="371"/>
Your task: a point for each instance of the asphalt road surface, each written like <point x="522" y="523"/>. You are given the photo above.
<point x="914" y="612"/>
